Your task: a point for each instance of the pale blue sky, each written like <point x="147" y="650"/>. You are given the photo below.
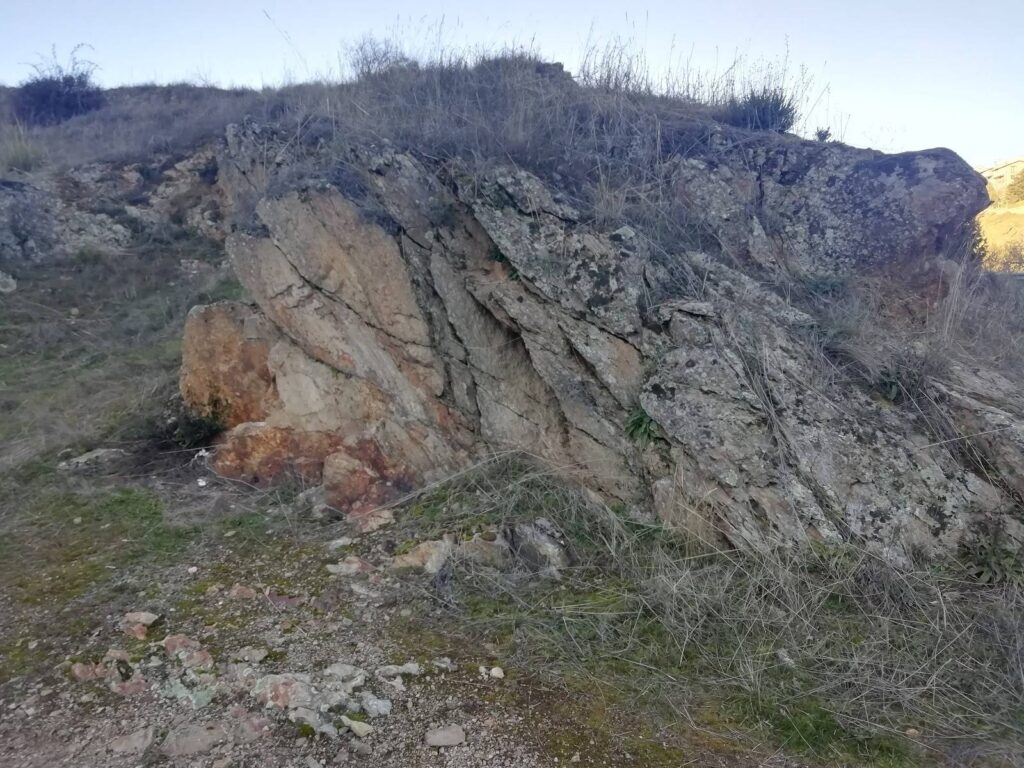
<point x="902" y="74"/>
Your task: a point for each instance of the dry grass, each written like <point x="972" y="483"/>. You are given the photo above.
<point x="99" y="334"/>
<point x="1009" y="259"/>
<point x="610" y="136"/>
<point x="833" y="653"/>
<point x="140" y="121"/>
<point x="17" y="152"/>
<point x="897" y="332"/>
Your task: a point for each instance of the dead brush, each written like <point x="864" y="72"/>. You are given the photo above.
<point x="833" y="652"/>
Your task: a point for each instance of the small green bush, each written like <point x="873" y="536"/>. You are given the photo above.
<point x="766" y="107"/>
<point x="993" y="560"/>
<point x="640" y="427"/>
<point x="57" y="92"/>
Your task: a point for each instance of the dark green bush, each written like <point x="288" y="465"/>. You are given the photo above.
<point x="57" y="92"/>
<point x="766" y="107"/>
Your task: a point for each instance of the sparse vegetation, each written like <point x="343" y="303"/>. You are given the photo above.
<point x="767" y="107"/>
<point x="17" y="152"/>
<point x="57" y="92"/>
<point x="640" y="427"/>
<point x="99" y="331"/>
<point x="611" y="134"/>
<point x="994" y="559"/>
<point x="832" y="653"/>
<point x="1008" y="259"/>
<point x="1014" y="192"/>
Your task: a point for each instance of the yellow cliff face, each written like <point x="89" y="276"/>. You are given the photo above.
<point x="1002" y="224"/>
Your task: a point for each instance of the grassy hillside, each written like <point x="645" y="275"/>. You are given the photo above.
<point x="1002" y="225"/>
<point x="668" y="651"/>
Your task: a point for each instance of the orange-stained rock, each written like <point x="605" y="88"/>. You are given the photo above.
<point x="224" y="370"/>
<point x="360" y="479"/>
<point x="258" y="453"/>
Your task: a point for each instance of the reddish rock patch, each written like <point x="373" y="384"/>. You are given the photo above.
<point x="259" y="454"/>
<point x="224" y="368"/>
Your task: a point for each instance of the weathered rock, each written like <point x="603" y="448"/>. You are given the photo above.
<point x="350" y="566"/>
<point x="349" y="677"/>
<point x="287" y="691"/>
<point x="252" y="654"/>
<point x="374" y="706"/>
<point x="427" y="556"/>
<point x="201" y="659"/>
<point x="490" y="549"/>
<point x="7" y="283"/>
<point x="193" y="739"/>
<point x="359" y="728"/>
<point x="540" y="546"/>
<point x="413" y="326"/>
<point x="306" y="716"/>
<point x="446" y="736"/>
<point x="225" y="374"/>
<point x="832" y="209"/>
<point x="145" y="618"/>
<point x="83" y="672"/>
<point x="134" y="743"/>
<point x="136" y="685"/>
<point x="98" y="460"/>
<point x="242" y="592"/>
<point x="177" y="644"/>
<point x="391" y="670"/>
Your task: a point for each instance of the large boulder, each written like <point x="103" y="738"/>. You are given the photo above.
<point x="405" y="324"/>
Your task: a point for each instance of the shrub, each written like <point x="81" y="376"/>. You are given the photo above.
<point x="1015" y="189"/>
<point x="767" y="107"/>
<point x="58" y="92"/>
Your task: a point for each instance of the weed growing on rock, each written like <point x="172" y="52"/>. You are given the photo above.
<point x="640" y="427"/>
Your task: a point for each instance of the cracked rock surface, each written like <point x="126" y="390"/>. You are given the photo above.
<point x="411" y="320"/>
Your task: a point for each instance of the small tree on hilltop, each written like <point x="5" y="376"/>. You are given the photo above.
<point x="57" y="92"/>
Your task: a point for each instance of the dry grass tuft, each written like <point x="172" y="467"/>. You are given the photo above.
<point x="834" y="653"/>
<point x="17" y="152"/>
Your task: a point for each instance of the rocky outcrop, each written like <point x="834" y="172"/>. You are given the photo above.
<point x="824" y="209"/>
<point x="99" y="208"/>
<point x="408" y="319"/>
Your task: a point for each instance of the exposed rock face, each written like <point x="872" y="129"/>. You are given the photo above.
<point x="408" y="319"/>
<point x="824" y="209"/>
<point x="49" y="217"/>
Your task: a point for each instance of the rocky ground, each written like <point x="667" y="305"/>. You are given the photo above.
<point x="275" y="639"/>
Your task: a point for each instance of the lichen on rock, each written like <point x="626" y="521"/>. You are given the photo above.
<point x="400" y="333"/>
